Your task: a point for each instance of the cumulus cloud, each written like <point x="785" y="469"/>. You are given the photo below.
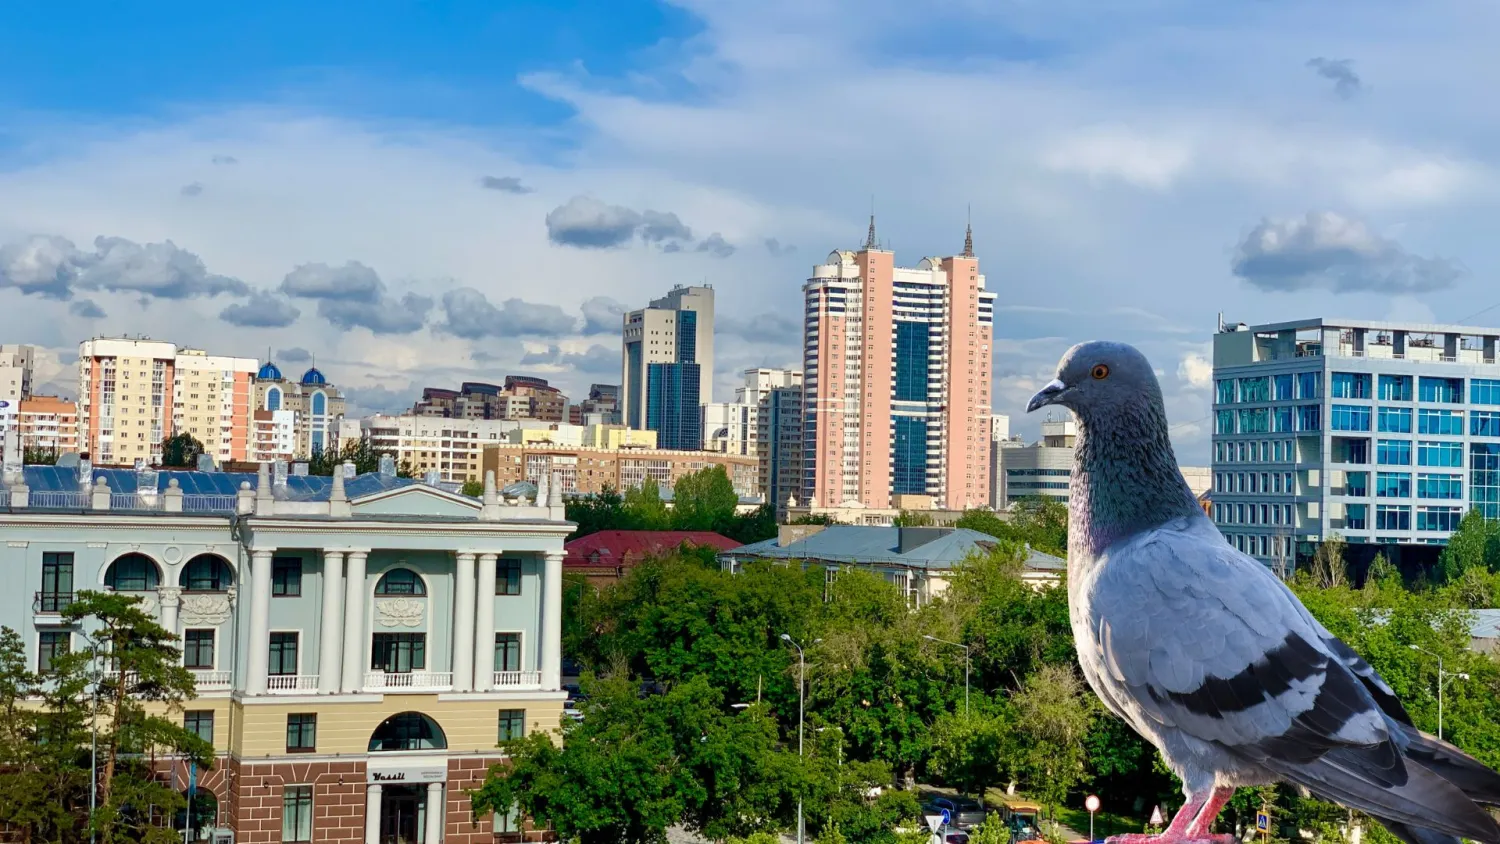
<point x="1346" y="83"/>
<point x="262" y="310"/>
<point x="1195" y="370"/>
<point x="52" y="266"/>
<point x="596" y="360"/>
<point x="296" y="354"/>
<point x="601" y="315"/>
<point x="193" y="189"/>
<point x="715" y="245"/>
<point x="86" y="308"/>
<point x="351" y="282"/>
<point x="586" y="223"/>
<point x="353" y="296"/>
<point x="775" y="247"/>
<point x="504" y="184"/>
<point x="1326" y="250"/>
<point x="471" y="315"/>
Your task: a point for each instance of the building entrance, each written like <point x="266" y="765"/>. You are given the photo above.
<point x="403" y="811"/>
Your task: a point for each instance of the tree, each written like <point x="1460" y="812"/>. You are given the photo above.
<point x="1472" y="546"/>
<point x="1328" y="566"/>
<point x="473" y="489"/>
<point x="35" y="456"/>
<point x="910" y="518"/>
<point x="1052" y="719"/>
<point x="42" y="784"/>
<point x="180" y="451"/>
<point x="754" y="526"/>
<point x="604" y="510"/>
<point x="704" y="500"/>
<point x="144" y="667"/>
<point x="360" y="452"/>
<point x="970" y="752"/>
<point x="644" y="509"/>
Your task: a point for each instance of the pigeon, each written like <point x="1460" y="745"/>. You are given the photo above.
<point x="1210" y="657"/>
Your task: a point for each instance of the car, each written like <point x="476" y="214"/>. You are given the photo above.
<point x="956" y="837"/>
<point x="963" y="812"/>
<point x="571" y="710"/>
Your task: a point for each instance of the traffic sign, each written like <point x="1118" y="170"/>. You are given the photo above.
<point x="947" y="818"/>
<point x="1262" y="822"/>
<point x="934" y="822"/>
<point x="1156" y="816"/>
<point x="1091" y="803"/>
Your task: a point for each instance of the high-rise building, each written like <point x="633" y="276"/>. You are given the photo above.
<point x="602" y="407"/>
<point x="15" y="383"/>
<point x="522" y="397"/>
<point x="1385" y="433"/>
<point x="765" y="422"/>
<point x="48" y="424"/>
<point x="303" y="414"/>
<point x="668" y="366"/>
<point x="897" y="385"/>
<point x="1042" y="469"/>
<point x="211" y="400"/>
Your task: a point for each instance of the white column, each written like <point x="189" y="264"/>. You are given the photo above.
<point x="463" y="624"/>
<point x="331" y="629"/>
<point x="170" y="597"/>
<point x="434" y="820"/>
<point x="354" y="624"/>
<point x="372" y="813"/>
<point x="484" y="626"/>
<point x="551" y="666"/>
<point x="260" y="620"/>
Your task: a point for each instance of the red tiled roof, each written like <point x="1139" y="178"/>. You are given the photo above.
<point x="625" y="547"/>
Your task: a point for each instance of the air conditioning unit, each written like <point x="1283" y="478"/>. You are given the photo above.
<point x="222" y="836"/>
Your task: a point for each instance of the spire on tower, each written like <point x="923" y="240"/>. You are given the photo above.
<point x="870" y="238"/>
<point x="969" y="235"/>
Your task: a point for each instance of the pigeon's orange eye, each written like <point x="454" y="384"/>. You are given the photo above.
<point x="1100" y="372"/>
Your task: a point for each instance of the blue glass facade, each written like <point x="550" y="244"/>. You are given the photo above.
<point x="672" y="405"/>
<point x="911" y="361"/>
<point x="908" y="455"/>
<point x="687" y="336"/>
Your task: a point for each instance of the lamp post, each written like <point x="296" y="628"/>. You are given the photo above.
<point x="966" y="666"/>
<point x="801" y="706"/>
<point x="1443" y="678"/>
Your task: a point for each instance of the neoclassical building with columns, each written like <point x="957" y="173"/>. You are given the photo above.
<point x="361" y="644"/>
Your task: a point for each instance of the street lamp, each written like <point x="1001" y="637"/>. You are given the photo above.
<point x="1443" y="678"/>
<point x="966" y="666"/>
<point x="801" y="706"/>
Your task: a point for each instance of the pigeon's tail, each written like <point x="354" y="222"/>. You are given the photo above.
<point x="1417" y="804"/>
<point x="1478" y="782"/>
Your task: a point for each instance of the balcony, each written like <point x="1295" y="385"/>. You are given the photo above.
<point x="51" y="603"/>
<point x="517" y="679"/>
<point x="209" y="680"/>
<point x="291" y="684"/>
<point x="412" y="681"/>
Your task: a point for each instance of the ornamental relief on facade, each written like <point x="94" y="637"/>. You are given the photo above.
<point x="399" y="612"/>
<point x="204" y="609"/>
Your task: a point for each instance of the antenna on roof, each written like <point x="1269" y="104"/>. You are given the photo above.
<point x="870" y="238"/>
<point x="969" y="232"/>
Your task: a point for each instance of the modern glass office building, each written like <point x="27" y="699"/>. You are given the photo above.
<point x="1384" y="433"/>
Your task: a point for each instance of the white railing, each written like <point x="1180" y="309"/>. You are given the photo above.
<point x="209" y="503"/>
<point x="424" y="680"/>
<point x="209" y="680"/>
<point x="133" y="501"/>
<point x="286" y="684"/>
<point x="512" y="679"/>
<point x="59" y="500"/>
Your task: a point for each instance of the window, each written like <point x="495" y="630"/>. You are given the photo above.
<point x="1223" y="421"/>
<point x="1484" y="478"/>
<point x="54" y="643"/>
<point x="408" y="731"/>
<point x="400" y="582"/>
<point x="1440" y="486"/>
<point x="286" y="576"/>
<point x="512" y="724"/>
<point x="1484" y="423"/>
<point x="198" y="649"/>
<point x="1309" y="417"/>
<point x="1438" y="518"/>
<point x="1392" y="517"/>
<point x="132" y="573"/>
<point x="507" y="577"/>
<point x="1448" y="422"/>
<point x="296" y="813"/>
<point x="1347" y="417"/>
<point x="1395" y="388"/>
<point x="301" y="732"/>
<point x="207" y="573"/>
<point x="1393" y="452"/>
<point x="283" y="654"/>
<point x="509" y="821"/>
<point x="1281" y="420"/>
<point x="199" y="722"/>
<point x="507" y="651"/>
<point x="399" y="653"/>
<point x="1351" y="385"/>
<point x="1440" y="390"/>
<point x="1255" y="420"/>
<point x="1282" y="387"/>
<point x="1307" y="385"/>
<point x="1440" y="454"/>
<point x="57" y="582"/>
<point x="1484" y="391"/>
<point x="1395" y="420"/>
<point x="1355" y="483"/>
<point x="1393" y="485"/>
<point x="1255" y="389"/>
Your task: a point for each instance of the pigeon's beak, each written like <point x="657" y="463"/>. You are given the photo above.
<point x="1047" y="395"/>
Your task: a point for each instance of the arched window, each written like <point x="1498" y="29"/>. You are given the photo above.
<point x="408" y="731"/>
<point x="206" y="573"/>
<point x="400" y="582"/>
<point x="132" y="573"/>
<point x="273" y="398"/>
<point x="319" y="404"/>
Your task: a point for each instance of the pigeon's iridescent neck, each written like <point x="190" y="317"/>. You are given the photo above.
<point x="1125" y="479"/>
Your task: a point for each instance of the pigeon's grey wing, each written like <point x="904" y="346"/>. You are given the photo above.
<point x="1209" y="642"/>
<point x="1382" y="693"/>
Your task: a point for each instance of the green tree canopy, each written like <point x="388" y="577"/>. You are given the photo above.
<point x="180" y="451"/>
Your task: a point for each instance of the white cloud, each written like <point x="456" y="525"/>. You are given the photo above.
<point x="1195" y="370"/>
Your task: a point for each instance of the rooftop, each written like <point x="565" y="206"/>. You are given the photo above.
<point x="925" y="548"/>
<point x="619" y="547"/>
<point x="1369" y="325"/>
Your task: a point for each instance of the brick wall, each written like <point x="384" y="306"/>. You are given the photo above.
<point x="338" y="800"/>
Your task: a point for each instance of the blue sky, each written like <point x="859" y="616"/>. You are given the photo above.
<point x="419" y="193"/>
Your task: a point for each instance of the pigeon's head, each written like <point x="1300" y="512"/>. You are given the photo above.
<point x="1097" y="379"/>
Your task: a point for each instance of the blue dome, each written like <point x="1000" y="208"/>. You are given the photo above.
<point x="269" y="372"/>
<point x="313" y="376"/>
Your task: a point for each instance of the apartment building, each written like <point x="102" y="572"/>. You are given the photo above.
<point x="896" y="366"/>
<point x="211" y="400"/>
<point x="1385" y="433"/>
<point x="602" y="407"/>
<point x="1042" y="469"/>
<point x="298" y="418"/>
<point x="521" y="397"/>
<point x="585" y="469"/>
<point x="449" y="446"/>
<point x="668" y="352"/>
<point x="360" y="644"/>
<point x="765" y="422"/>
<point x="47" y="424"/>
<point x="16" y="362"/>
